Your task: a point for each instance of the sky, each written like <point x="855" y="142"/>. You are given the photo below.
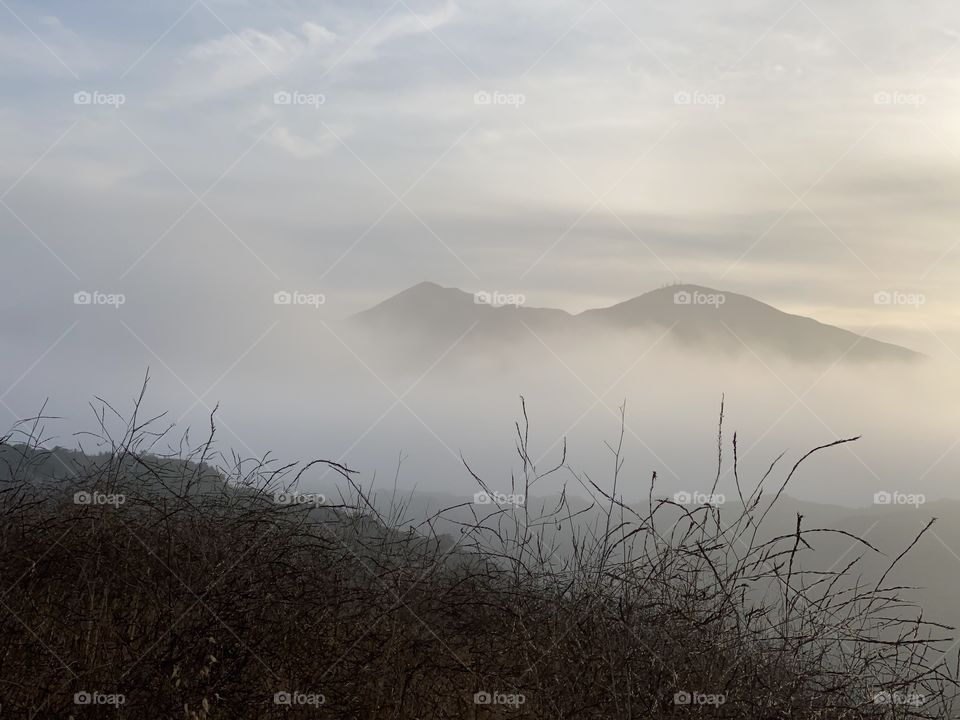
<point x="195" y="158"/>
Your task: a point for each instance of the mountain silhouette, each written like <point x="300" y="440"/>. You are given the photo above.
<point x="695" y="317"/>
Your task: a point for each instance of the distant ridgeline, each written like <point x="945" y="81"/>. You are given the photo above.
<point x="695" y="317"/>
<point x="60" y="469"/>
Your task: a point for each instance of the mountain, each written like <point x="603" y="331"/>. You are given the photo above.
<point x="431" y="309"/>
<point x="698" y="318"/>
<point x="728" y="321"/>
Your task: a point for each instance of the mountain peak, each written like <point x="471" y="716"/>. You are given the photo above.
<point x="697" y="317"/>
<point x="428" y="287"/>
<point x="679" y="293"/>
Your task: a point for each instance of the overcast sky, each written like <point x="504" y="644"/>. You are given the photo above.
<point x="199" y="156"/>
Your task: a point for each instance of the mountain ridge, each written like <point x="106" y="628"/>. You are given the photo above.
<point x="696" y="316"/>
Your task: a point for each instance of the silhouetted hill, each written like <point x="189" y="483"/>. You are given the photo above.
<point x="698" y="318"/>
<point x="731" y="322"/>
<point x="431" y="310"/>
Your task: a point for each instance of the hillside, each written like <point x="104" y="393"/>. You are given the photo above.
<point x="699" y="319"/>
<point x="174" y="603"/>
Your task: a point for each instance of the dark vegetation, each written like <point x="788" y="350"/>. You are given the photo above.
<point x="200" y="596"/>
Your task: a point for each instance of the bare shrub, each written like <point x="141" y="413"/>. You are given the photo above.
<point x="202" y="596"/>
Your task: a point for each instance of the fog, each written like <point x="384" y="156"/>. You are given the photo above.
<point x="314" y="387"/>
<point x="241" y="211"/>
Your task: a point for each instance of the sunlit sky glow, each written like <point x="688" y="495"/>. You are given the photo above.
<point x="803" y="152"/>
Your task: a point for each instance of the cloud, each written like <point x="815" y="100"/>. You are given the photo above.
<point x="300" y="147"/>
<point x="398" y="25"/>
<point x="45" y="46"/>
<point x="700" y="183"/>
<point x="236" y="61"/>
